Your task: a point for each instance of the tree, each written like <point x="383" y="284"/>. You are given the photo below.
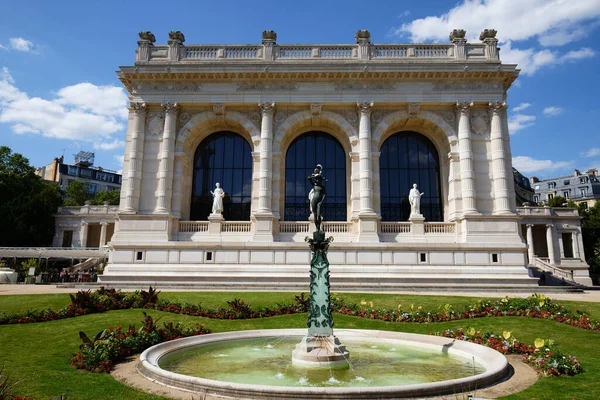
<point x="27" y="203"/>
<point x="557" y="201"/>
<point x="590" y="229"/>
<point x="75" y="194"/>
<point x="111" y="196"/>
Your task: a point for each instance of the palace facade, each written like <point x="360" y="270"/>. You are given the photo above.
<point x="378" y="118"/>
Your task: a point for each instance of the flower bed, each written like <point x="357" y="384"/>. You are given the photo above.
<point x="544" y="355"/>
<point x="113" y="345"/>
<point x="86" y="302"/>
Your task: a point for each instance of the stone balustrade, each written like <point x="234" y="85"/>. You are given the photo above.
<point x="395" y="227"/>
<point x="193" y="226"/>
<point x="547" y="212"/>
<point x="87" y="210"/>
<point x="236" y="226"/>
<point x="440" y="227"/>
<point x="363" y="50"/>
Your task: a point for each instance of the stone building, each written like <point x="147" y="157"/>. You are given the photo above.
<point x="581" y="188"/>
<point x="378" y="118"/>
<point x="86" y="226"/>
<point x="523" y="190"/>
<point x="95" y="179"/>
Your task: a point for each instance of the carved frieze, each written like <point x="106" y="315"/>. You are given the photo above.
<point x="253" y="86"/>
<point x="351" y="116"/>
<point x="165" y="87"/>
<point x="155" y="123"/>
<point x="447" y="115"/>
<point x="365" y="87"/>
<point x="467" y="86"/>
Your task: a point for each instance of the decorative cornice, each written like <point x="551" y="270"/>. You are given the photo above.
<point x="254" y="86"/>
<point x="365" y="87"/>
<point x="467" y="86"/>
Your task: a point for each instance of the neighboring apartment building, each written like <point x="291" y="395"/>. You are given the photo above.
<point x="581" y="188"/>
<point x="96" y="179"/>
<point x="523" y="190"/>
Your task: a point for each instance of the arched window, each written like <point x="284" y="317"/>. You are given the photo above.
<point x="305" y="152"/>
<point x="226" y="158"/>
<point x="408" y="158"/>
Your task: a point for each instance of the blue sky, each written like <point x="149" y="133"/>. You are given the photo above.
<point x="59" y="92"/>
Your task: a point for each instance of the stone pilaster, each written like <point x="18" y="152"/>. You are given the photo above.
<point x="530" y="247"/>
<point x="363" y="39"/>
<point x="488" y="37"/>
<point x="467" y="174"/>
<point x="136" y="154"/>
<point x="83" y="234"/>
<point x="453" y="167"/>
<point x="263" y="216"/>
<point x="550" y="241"/>
<point x="367" y="218"/>
<point x="175" y="42"/>
<point x="103" y="226"/>
<point x="269" y="41"/>
<point x="165" y="167"/>
<point x="145" y="44"/>
<point x="510" y="178"/>
<point x="499" y="175"/>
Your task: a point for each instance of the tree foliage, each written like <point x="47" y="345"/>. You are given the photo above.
<point x="590" y="227"/>
<point x="75" y="194"/>
<point x="557" y="201"/>
<point x="27" y="203"/>
<point x="110" y="196"/>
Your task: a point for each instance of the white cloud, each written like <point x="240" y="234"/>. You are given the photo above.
<point x="593" y="152"/>
<point x="120" y="160"/>
<point x="551" y="22"/>
<point x="521" y="107"/>
<point x="66" y="116"/>
<point x="518" y="122"/>
<point x="404" y="13"/>
<point x="21" y="44"/>
<point x="573" y="55"/>
<point x="115" y="144"/>
<point x="3" y="47"/>
<point x="528" y="165"/>
<point x="552" y="111"/>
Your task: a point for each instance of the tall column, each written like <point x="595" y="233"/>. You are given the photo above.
<point x="165" y="168"/>
<point x="550" y="243"/>
<point x="364" y="143"/>
<point x="510" y="178"/>
<point x="499" y="176"/>
<point x="134" y="172"/>
<point x="103" y="233"/>
<point x="263" y="216"/>
<point x="467" y="173"/>
<point x="530" y="247"/>
<point x="367" y="218"/>
<point x="266" y="155"/>
<point x="83" y="234"/>
<point x="453" y="166"/>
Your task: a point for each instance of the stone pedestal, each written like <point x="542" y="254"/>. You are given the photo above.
<point x="367" y="227"/>
<point x="418" y="224"/>
<point x="263" y="227"/>
<point x="214" y="224"/>
<point x="321" y="351"/>
<point x="8" y="275"/>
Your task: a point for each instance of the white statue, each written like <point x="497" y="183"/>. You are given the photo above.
<point x="218" y="195"/>
<point x="414" y="197"/>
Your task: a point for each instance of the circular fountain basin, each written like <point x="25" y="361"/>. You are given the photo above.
<point x="257" y="364"/>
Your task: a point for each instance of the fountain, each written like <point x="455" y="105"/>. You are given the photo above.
<point x="256" y="364"/>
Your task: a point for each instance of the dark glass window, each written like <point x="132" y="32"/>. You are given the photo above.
<point x="407" y="158"/>
<point x="226" y="158"/>
<point x="305" y="152"/>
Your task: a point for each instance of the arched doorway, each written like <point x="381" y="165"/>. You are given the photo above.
<point x="226" y="158"/>
<point x="304" y="153"/>
<point x="407" y="158"/>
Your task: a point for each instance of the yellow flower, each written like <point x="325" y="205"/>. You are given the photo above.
<point x="505" y="300"/>
<point x="539" y="343"/>
<point x="371" y="304"/>
<point x="506" y="335"/>
<point x="471" y="331"/>
<point x="412" y="307"/>
<point x="363" y="303"/>
<point x="399" y="307"/>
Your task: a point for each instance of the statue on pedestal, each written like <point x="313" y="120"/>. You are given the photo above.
<point x="218" y="195"/>
<point x="414" y="197"/>
<point x="317" y="195"/>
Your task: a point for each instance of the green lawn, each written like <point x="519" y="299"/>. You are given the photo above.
<point x="40" y="353"/>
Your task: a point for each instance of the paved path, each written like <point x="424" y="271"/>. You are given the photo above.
<point x="591" y="296"/>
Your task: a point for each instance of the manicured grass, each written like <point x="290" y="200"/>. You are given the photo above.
<point x="40" y="353"/>
<point x="21" y="303"/>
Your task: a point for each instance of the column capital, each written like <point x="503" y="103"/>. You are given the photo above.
<point x="170" y="107"/>
<point x="530" y="225"/>
<point x="267" y="107"/>
<point x="137" y="107"/>
<point x="83" y="223"/>
<point x="364" y="107"/>
<point x="549" y="225"/>
<point x="497" y="106"/>
<point x="464" y="106"/>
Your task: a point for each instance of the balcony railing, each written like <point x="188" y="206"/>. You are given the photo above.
<point x="193" y="226"/>
<point x="440" y="227"/>
<point x="236" y="226"/>
<point x="395" y="227"/>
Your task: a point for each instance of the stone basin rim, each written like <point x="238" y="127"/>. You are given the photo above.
<point x="496" y="364"/>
